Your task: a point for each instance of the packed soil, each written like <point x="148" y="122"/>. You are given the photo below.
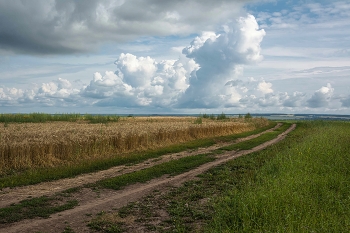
<point x="92" y="202"/>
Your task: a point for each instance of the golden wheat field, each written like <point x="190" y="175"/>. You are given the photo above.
<point x="34" y="145"/>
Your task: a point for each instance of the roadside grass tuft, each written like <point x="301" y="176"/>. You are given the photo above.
<point x="108" y="223"/>
<point x="35" y="207"/>
<point x="68" y="229"/>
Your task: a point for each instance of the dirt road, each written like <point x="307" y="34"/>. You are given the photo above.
<point x="91" y="203"/>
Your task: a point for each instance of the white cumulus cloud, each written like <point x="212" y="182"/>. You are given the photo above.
<point x="265" y="87"/>
<point x="141" y="81"/>
<point x="219" y="57"/>
<point x="321" y="97"/>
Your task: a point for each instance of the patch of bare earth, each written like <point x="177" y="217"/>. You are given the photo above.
<point x="92" y="202"/>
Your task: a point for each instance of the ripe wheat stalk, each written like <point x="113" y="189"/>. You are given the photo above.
<point x="35" y="145"/>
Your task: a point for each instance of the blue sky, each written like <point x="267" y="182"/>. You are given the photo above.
<point x="153" y="56"/>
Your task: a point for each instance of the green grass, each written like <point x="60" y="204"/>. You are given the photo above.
<point x="29" y="177"/>
<point x="68" y="229"/>
<point x="32" y="208"/>
<point x="300" y="185"/>
<point x="103" y="224"/>
<point x="173" y="167"/>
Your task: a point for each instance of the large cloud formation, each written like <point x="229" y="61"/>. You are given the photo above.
<point x="321" y="97"/>
<point x="74" y="26"/>
<point x="219" y="56"/>
<point x="141" y="81"/>
<point x="195" y="81"/>
<point x="208" y="75"/>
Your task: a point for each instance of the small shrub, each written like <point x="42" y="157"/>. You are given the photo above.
<point x="248" y="116"/>
<point x="198" y="120"/>
<point x="222" y="116"/>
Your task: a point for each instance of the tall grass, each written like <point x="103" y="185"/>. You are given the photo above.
<point x="303" y="185"/>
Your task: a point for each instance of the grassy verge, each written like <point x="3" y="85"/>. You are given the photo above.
<point x="304" y="187"/>
<point x="29" y="177"/>
<point x="301" y="184"/>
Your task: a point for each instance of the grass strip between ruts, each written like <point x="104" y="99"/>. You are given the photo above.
<point x="173" y="167"/>
<point x="34" y="207"/>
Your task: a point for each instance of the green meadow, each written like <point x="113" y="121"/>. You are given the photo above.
<point x="301" y="184"/>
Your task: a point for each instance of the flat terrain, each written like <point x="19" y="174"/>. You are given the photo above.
<point x="92" y="201"/>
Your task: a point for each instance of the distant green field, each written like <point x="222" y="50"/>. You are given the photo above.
<point x="44" y="117"/>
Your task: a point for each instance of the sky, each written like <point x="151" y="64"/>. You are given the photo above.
<point x="175" y="57"/>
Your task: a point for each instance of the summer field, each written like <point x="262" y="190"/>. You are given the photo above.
<point x="300" y="184"/>
<point x="71" y="141"/>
